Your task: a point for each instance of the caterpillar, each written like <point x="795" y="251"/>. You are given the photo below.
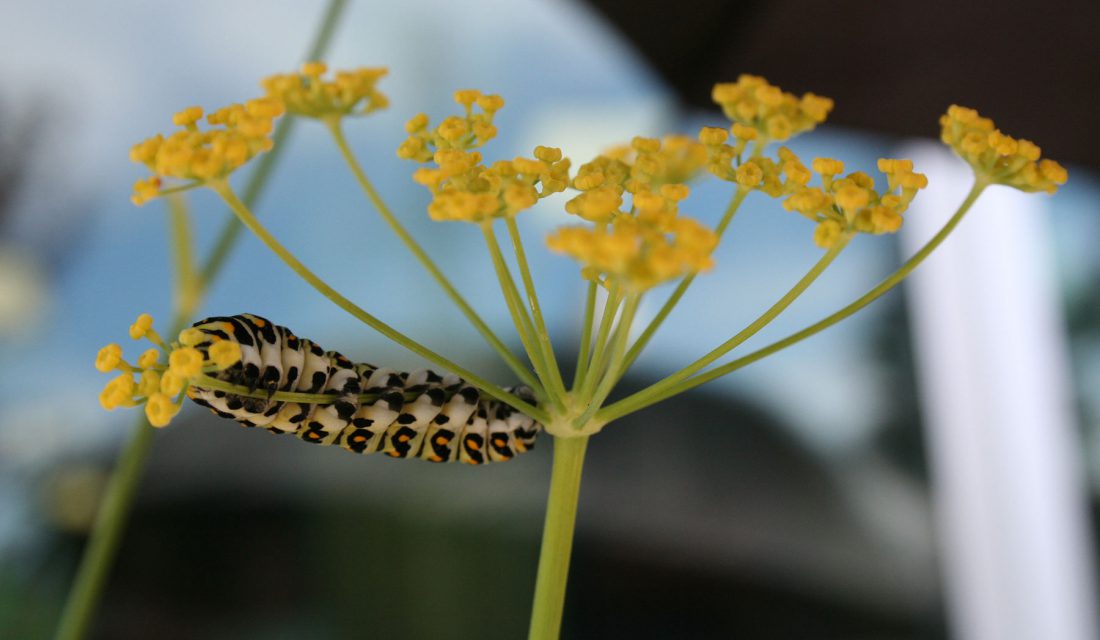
<point x="438" y="418"/>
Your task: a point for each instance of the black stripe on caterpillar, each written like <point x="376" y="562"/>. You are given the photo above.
<point x="439" y="418"/>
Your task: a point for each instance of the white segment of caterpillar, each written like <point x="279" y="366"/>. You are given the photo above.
<point x="439" y="418"/>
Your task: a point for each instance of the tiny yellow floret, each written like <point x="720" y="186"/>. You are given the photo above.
<point x="185" y="362"/>
<point x="171" y="384"/>
<point x="149" y="358"/>
<point x="827" y="234"/>
<point x="191" y="336"/>
<point x="119" y="392"/>
<point x="160" y="409"/>
<point x="141" y="327"/>
<point x="187" y="117"/>
<point x="108" y="358"/>
<point x="149" y="383"/>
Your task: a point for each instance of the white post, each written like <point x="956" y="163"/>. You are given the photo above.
<point x="1007" y="478"/>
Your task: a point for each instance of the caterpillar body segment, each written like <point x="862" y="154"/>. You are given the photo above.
<point x="422" y="414"/>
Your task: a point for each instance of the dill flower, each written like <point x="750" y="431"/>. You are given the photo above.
<point x="162" y="374"/>
<point x="347" y="93"/>
<point x="236" y="134"/>
<point x="642" y="250"/>
<point x="469" y="131"/>
<point x="646" y="164"/>
<point x="652" y="162"/>
<point x="772" y="114"/>
<point x="462" y="186"/>
<point x="108" y="358"/>
<point x="851" y="203"/>
<point x="997" y="157"/>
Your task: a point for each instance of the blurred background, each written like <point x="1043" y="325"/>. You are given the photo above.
<point x="801" y="497"/>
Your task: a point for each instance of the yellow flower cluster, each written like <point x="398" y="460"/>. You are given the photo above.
<point x="847" y="204"/>
<point x="774" y="114"/>
<point x="642" y="250"/>
<point x="652" y="162"/>
<point x="641" y="167"/>
<point x="721" y="155"/>
<point x="238" y="133"/>
<point x="470" y="131"/>
<point x="782" y="176"/>
<point x="999" y="157"/>
<point x="161" y="386"/>
<point x="347" y="93"/>
<point x="466" y="190"/>
<point x="463" y="188"/>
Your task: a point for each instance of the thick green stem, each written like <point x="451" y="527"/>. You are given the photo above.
<point x="557" y="538"/>
<point x="636" y="402"/>
<point x="102" y="547"/>
<point x="429" y="265"/>
<point x="244" y="215"/>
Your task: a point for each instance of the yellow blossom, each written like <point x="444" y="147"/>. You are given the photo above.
<point x="141" y="327"/>
<point x="237" y="133"/>
<point x="713" y="135"/>
<point x="351" y="92"/>
<point x="827" y="234"/>
<point x="596" y="205"/>
<point x="997" y="157"/>
<point x="119" y="392"/>
<point x="774" y="115"/>
<point x="171" y="384"/>
<point x="108" y="358"/>
<point x="149" y="383"/>
<point x="471" y="130"/>
<point x="849" y="203"/>
<point x="852" y="198"/>
<point x="640" y="251"/>
<point x="749" y="175"/>
<point x="149" y="358"/>
<point x="160" y="409"/>
<point x="185" y="362"/>
<point x="192" y="336"/>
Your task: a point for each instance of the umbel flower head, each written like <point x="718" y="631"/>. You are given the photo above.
<point x="237" y="134"/>
<point x="641" y="250"/>
<point x="998" y="157"/>
<point x="643" y="166"/>
<point x="841" y="204"/>
<point x="773" y="114"/>
<point x="162" y="375"/>
<point x="463" y="188"/>
<point x="308" y="93"/>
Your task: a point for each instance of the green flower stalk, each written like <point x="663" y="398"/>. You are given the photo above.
<point x="629" y="235"/>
